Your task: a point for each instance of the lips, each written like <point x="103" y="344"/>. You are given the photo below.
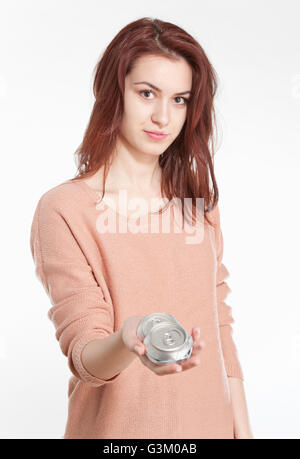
<point x="156" y="136"/>
<point x="156" y="132"/>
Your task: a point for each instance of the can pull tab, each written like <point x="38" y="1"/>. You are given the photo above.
<point x="168" y="339"/>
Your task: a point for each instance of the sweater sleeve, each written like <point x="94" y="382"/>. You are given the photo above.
<point x="229" y="350"/>
<point x="79" y="311"/>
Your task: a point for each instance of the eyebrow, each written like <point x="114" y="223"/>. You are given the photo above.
<point x="159" y="90"/>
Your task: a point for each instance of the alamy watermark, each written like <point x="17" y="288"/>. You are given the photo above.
<point x="147" y="219"/>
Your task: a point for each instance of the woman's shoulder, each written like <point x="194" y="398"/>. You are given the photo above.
<point x="63" y="195"/>
<point x="66" y="190"/>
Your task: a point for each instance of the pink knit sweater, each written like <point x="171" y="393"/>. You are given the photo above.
<point x="96" y="280"/>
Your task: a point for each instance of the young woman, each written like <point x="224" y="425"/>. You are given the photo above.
<point x="104" y="268"/>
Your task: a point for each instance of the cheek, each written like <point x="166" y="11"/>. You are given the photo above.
<point x="178" y="121"/>
<point x="181" y="119"/>
<point x="136" y="112"/>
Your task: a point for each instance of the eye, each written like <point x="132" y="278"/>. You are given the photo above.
<point x="186" y="101"/>
<point x="144" y="91"/>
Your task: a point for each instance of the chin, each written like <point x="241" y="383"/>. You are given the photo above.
<point x="148" y="151"/>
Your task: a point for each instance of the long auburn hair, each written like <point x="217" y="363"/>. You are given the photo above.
<point x="187" y="164"/>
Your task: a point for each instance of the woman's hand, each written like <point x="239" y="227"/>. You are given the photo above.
<point x="174" y="367"/>
<point x="134" y="344"/>
<point x="129" y="332"/>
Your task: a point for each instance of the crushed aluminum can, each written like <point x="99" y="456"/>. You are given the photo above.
<point x="150" y="320"/>
<point x="168" y="342"/>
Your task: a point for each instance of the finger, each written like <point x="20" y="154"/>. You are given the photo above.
<point x="196" y="332"/>
<point x="194" y="359"/>
<point x="197" y="346"/>
<point x="148" y="362"/>
<point x="198" y="342"/>
<point x="139" y="348"/>
<point x="190" y="363"/>
<point x="167" y="369"/>
<point x="196" y="352"/>
<point x="152" y="366"/>
<point x="164" y="369"/>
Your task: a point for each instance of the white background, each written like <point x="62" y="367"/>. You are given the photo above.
<point x="48" y="52"/>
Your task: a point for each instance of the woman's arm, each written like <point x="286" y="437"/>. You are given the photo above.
<point x="231" y="360"/>
<point x="80" y="312"/>
<point x="107" y="357"/>
<point x="240" y="413"/>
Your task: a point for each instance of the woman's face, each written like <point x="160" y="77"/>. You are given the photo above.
<point x="162" y="109"/>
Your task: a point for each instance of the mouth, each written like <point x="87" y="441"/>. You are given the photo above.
<point x="156" y="136"/>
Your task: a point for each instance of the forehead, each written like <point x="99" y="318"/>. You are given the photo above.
<point x="168" y="75"/>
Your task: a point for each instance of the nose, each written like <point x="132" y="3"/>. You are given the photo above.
<point x="160" y="113"/>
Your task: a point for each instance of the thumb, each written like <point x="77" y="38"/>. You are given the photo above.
<point x="139" y="348"/>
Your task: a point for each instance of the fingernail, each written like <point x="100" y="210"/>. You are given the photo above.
<point x="178" y="368"/>
<point x="198" y="331"/>
<point x="136" y="348"/>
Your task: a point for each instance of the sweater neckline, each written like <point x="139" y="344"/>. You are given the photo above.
<point x="97" y="193"/>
